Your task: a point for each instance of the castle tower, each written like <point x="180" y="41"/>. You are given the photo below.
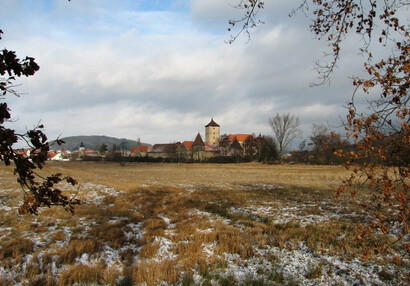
<point x="212" y="133"/>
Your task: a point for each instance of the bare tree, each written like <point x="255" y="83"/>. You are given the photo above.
<point x="381" y="135"/>
<point x="286" y="129"/>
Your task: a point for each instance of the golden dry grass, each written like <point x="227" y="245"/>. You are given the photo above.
<point x="82" y="274"/>
<point x="137" y="174"/>
<point x="165" y="222"/>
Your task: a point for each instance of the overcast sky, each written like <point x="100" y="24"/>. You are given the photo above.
<point x="160" y="70"/>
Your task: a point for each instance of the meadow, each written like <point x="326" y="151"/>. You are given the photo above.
<point x="193" y="224"/>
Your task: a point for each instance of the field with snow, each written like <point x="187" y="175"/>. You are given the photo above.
<point x="193" y="224"/>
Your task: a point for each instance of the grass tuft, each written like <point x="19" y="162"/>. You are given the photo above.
<point x="82" y="274"/>
<point x="77" y="248"/>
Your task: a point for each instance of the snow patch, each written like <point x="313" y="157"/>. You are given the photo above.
<point x="165" y="249"/>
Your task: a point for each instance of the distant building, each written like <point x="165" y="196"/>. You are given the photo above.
<point x="139" y="151"/>
<point x="188" y="145"/>
<point x="212" y="133"/>
<point x="59" y="155"/>
<point x="83" y="153"/>
<point x="23" y="152"/>
<point x="54" y="156"/>
<point x="164" y="150"/>
<point x="197" y="150"/>
<point x="203" y="150"/>
<point x="89" y="153"/>
<point x="241" y="138"/>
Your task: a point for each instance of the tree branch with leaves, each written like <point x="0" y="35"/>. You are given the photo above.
<point x="38" y="191"/>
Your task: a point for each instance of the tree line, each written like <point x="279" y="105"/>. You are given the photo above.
<point x="323" y="147"/>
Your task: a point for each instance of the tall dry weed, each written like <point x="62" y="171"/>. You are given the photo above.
<point x="112" y="274"/>
<point x="154" y="226"/>
<point x="232" y="240"/>
<point x="110" y="233"/>
<point x="82" y="274"/>
<point x="76" y="248"/>
<point x="13" y="251"/>
<point x="153" y="272"/>
<point x="149" y="250"/>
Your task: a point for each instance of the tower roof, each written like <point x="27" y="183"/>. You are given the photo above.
<point x="212" y="123"/>
<point x="198" y="141"/>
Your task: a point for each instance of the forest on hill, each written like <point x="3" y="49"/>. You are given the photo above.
<point x="94" y="142"/>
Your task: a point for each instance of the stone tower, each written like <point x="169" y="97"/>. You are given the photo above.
<point x="212" y="133"/>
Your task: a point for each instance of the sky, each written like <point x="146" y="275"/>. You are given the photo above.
<point x="160" y="70"/>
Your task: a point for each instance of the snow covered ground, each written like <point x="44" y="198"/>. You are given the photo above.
<point x="296" y="264"/>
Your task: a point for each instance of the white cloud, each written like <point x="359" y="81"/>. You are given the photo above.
<point x="161" y="75"/>
<point x="214" y="14"/>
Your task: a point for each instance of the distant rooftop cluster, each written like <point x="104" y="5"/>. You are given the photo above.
<point x="199" y="149"/>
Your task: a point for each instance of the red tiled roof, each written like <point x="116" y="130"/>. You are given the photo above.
<point x="188" y="145"/>
<point x="239" y="137"/>
<point x="90" y="152"/>
<point x="21" y="153"/>
<point x="212" y="123"/>
<point x="51" y="155"/>
<point x="139" y="149"/>
<point x="208" y="147"/>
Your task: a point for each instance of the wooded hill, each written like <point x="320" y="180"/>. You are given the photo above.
<point x="93" y="142"/>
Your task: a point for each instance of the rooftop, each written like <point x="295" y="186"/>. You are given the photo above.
<point x="212" y="123"/>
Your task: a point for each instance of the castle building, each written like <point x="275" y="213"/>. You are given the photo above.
<point x="241" y="138"/>
<point x="197" y="150"/>
<point x="212" y="133"/>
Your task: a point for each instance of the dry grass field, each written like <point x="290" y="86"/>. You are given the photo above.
<point x="193" y="224"/>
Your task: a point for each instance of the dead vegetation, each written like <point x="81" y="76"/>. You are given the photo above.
<point x="193" y="225"/>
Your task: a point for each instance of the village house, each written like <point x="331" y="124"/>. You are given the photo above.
<point x="241" y="138"/>
<point x="52" y="155"/>
<point x="82" y="153"/>
<point x="139" y="151"/>
<point x="200" y="150"/>
<point x="23" y="152"/>
<point x="170" y="150"/>
<point x="59" y="155"/>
